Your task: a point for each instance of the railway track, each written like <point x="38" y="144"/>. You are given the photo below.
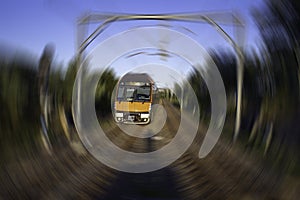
<point x="224" y="174"/>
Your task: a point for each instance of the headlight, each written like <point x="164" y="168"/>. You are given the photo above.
<point x="144" y="115"/>
<point x="119" y="114"/>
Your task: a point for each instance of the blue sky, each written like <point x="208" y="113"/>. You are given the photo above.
<point x="32" y="24"/>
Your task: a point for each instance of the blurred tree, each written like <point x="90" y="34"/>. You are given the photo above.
<point x="43" y="86"/>
<point x="279" y="27"/>
<point x="199" y="86"/>
<point x="69" y="81"/>
<point x="104" y="92"/>
<point x="19" y="112"/>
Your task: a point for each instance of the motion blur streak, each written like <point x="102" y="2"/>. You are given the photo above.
<point x="42" y="157"/>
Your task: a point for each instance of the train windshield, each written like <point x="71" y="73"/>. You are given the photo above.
<point x="134" y="93"/>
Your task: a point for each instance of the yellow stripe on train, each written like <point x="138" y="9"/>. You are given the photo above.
<point x="132" y="106"/>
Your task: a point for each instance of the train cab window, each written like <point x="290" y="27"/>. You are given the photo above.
<point x="134" y="93"/>
<point x="130" y="94"/>
<point x="121" y="92"/>
<point x="143" y="93"/>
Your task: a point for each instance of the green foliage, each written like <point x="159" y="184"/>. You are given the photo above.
<point x="69" y="81"/>
<point x="19" y="99"/>
<point x="104" y="92"/>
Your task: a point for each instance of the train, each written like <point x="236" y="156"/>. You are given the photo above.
<point x="135" y="95"/>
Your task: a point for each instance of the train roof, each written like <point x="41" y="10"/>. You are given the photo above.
<point x="137" y="77"/>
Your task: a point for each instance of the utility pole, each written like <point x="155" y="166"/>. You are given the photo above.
<point x="43" y="87"/>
